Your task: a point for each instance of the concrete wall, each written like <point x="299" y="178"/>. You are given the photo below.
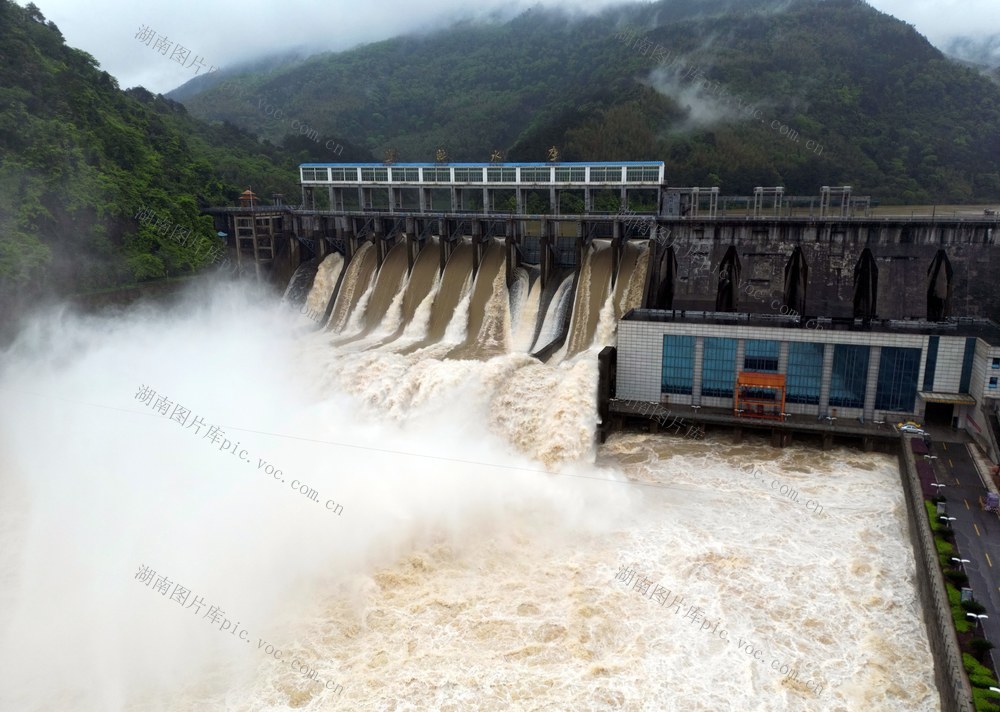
<point x="948" y="371"/>
<point x="902" y="251"/>
<point x="949" y="673"/>
<point x="976" y="418"/>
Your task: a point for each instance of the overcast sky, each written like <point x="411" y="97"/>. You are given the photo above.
<point x="223" y="34"/>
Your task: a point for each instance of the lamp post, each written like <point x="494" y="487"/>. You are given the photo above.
<point x="961" y="562"/>
<point x="939" y="486"/>
<point x="978" y="616"/>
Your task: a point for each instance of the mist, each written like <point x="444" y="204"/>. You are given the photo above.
<point x="96" y="484"/>
<point x="306" y="26"/>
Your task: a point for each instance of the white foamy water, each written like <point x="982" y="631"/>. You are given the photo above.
<point x="459" y="575"/>
<point x="525" y="312"/>
<point x="554" y="314"/>
<point x="322" y="288"/>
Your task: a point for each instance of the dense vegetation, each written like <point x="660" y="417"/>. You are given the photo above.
<point x="79" y="158"/>
<point x="893" y="116"/>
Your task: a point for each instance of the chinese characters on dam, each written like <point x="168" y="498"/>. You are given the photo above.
<point x="180" y="595"/>
<point x="214" y="434"/>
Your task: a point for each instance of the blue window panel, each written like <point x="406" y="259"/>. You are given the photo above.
<point x="850" y="376"/>
<point x="761" y="356"/>
<point x="678" y="364"/>
<point x="932" y="350"/>
<point x="970" y="352"/>
<point x="718" y="368"/>
<point x="805" y="373"/>
<point x="897" y="379"/>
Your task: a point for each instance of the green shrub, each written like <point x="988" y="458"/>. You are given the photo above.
<point x="974" y="667"/>
<point x="954" y="595"/>
<point x="983" y="700"/>
<point x="956" y="577"/>
<point x="980" y="646"/>
<point x="973" y="606"/>
<point x="957" y="612"/>
<point x="984" y="681"/>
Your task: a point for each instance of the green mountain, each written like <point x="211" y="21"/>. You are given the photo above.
<point x="79" y="158"/>
<point x="802" y="93"/>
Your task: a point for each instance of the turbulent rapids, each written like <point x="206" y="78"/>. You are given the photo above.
<point x="487" y="555"/>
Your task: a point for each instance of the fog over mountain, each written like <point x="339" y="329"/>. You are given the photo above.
<point x="227" y="35"/>
<point x="984" y="51"/>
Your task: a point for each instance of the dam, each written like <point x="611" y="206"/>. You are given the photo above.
<point x="472" y="544"/>
<point x="862" y="320"/>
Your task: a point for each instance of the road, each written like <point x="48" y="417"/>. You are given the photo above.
<point x="977" y="532"/>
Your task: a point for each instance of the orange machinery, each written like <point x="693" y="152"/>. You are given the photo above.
<point x="759" y="395"/>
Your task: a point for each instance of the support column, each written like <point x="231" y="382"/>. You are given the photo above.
<point x="513" y="254"/>
<point x="320" y="242"/>
<point x="588" y="200"/>
<point x="699" y="360"/>
<point x="617" y="247"/>
<point x="510" y="258"/>
<point x="783" y="357"/>
<point x="826" y="380"/>
<point x="422" y="193"/>
<point x="239" y="247"/>
<point x="445" y="252"/>
<point x="361" y="198"/>
<point x="478" y="247"/>
<point x="392" y="199"/>
<point x="256" y="246"/>
<point x="874" y="362"/>
<point x="380" y="246"/>
<point x="331" y="203"/>
<point x="553" y="200"/>
<point x="486" y="200"/>
<point x="519" y="195"/>
<point x="456" y="197"/>
<point x="412" y="244"/>
<point x="347" y="232"/>
<point x="545" y="249"/>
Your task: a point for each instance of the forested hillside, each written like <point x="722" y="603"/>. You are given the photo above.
<point x="79" y="158"/>
<point x="729" y="94"/>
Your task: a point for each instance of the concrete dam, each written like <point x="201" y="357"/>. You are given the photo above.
<point x="768" y="257"/>
<point x="499" y="286"/>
